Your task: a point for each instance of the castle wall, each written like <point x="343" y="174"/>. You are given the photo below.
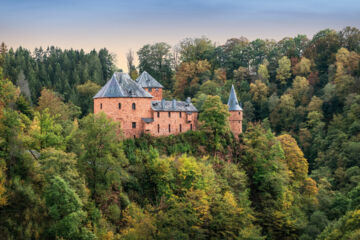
<point x="155" y="92"/>
<point x="126" y="115"/>
<point x="160" y="125"/>
<point x="235" y="121"/>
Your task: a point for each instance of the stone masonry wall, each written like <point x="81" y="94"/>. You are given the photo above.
<point x="155" y="92"/>
<point x="126" y="115"/>
<point x="235" y="120"/>
<point x="160" y="125"/>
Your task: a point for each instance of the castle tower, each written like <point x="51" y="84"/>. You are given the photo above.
<point x="147" y="82"/>
<point x="123" y="100"/>
<point x="236" y="113"/>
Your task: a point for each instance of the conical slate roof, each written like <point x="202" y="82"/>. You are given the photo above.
<point x="145" y="80"/>
<point x="121" y="85"/>
<point x="233" y="102"/>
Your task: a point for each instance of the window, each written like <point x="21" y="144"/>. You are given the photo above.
<point x="169" y="128"/>
<point x="100" y="105"/>
<point x="180" y="129"/>
<point x="119" y="105"/>
<point x="158" y="114"/>
<point x="150" y="89"/>
<point x="169" y="113"/>
<point x="239" y="113"/>
<point x="191" y="127"/>
<point x="180" y="114"/>
<point x="133" y="124"/>
<point x="133" y="106"/>
<point x="158" y="128"/>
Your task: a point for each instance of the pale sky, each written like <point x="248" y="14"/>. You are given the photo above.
<point x="119" y="25"/>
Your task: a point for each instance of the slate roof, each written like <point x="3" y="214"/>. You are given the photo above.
<point x="121" y="85"/>
<point x="173" y="106"/>
<point x="233" y="102"/>
<point x="145" y="80"/>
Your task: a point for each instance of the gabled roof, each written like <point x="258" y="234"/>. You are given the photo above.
<point x="173" y="106"/>
<point x="233" y="102"/>
<point x="121" y="85"/>
<point x="145" y="80"/>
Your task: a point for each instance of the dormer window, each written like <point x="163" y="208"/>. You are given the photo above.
<point x="150" y="89"/>
<point x="133" y="106"/>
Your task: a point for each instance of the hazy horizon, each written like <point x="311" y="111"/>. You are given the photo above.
<point x="123" y="25"/>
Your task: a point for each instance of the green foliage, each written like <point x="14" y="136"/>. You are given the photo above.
<point x="64" y="207"/>
<point x="65" y="178"/>
<point x="283" y="71"/>
<point x="347" y="227"/>
<point x="215" y="120"/>
<point x="157" y="60"/>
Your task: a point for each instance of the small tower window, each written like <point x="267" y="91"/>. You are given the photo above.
<point x="158" y="128"/>
<point x="239" y="113"/>
<point x="180" y="114"/>
<point x="169" y="113"/>
<point x="100" y="105"/>
<point x="150" y="89"/>
<point x="169" y="128"/>
<point x="180" y="128"/>
<point x="158" y="114"/>
<point x="133" y="124"/>
<point x="119" y="105"/>
<point x="133" y="106"/>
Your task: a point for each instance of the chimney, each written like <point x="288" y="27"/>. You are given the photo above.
<point x="188" y="100"/>
<point x="173" y="104"/>
<point x="163" y="103"/>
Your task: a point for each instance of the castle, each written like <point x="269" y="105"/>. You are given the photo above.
<point x="139" y="107"/>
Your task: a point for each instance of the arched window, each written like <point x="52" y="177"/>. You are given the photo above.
<point x="100" y="105"/>
<point x="158" y="128"/>
<point x="180" y="114"/>
<point x="169" y="113"/>
<point x="119" y="105"/>
<point x="158" y="114"/>
<point x="169" y="128"/>
<point x="239" y="113"/>
<point x="180" y="128"/>
<point x="133" y="106"/>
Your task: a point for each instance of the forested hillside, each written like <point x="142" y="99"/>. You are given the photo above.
<point x="293" y="174"/>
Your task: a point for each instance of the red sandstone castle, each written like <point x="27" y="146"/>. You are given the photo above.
<point x="139" y="107"/>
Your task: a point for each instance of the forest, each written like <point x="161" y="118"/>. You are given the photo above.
<point x="294" y="172"/>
